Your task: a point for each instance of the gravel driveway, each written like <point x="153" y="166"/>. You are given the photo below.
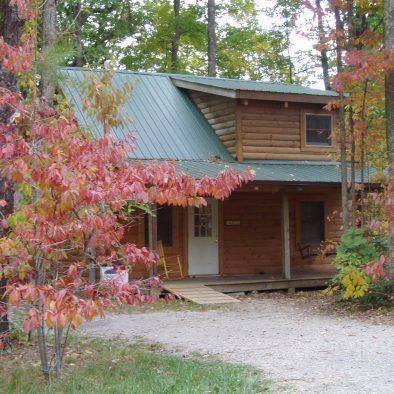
<point x="296" y="348"/>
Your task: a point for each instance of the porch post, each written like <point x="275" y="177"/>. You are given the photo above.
<point x="285" y="237"/>
<point x="152" y="232"/>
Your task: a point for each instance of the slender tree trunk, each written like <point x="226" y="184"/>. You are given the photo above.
<point x="176" y="38"/>
<point x="92" y="264"/>
<point x="322" y="45"/>
<point x="49" y="37"/>
<point x="362" y="155"/>
<point x="290" y="64"/>
<point x="389" y="43"/>
<point x="41" y="337"/>
<point x="342" y="123"/>
<point x="58" y="351"/>
<point x="212" y="38"/>
<point x="79" y="56"/>
<point x="11" y="30"/>
<point x="352" y="168"/>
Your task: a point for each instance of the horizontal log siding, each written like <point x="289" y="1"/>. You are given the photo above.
<point x="220" y="113"/>
<point x="135" y="234"/>
<point x="255" y="246"/>
<point x="271" y="131"/>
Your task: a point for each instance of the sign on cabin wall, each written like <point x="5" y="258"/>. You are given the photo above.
<point x="233" y="222"/>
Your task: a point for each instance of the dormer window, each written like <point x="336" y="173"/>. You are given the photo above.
<point x="318" y="130"/>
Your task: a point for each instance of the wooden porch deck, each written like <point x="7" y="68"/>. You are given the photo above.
<point x="239" y="283"/>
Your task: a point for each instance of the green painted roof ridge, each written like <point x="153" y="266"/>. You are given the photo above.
<point x="203" y="77"/>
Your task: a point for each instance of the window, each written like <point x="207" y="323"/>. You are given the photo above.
<point x="318" y="130"/>
<point x="203" y="221"/>
<point x="312" y="222"/>
<point x="164" y="226"/>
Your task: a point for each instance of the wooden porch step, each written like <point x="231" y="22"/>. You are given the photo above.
<point x="198" y="293"/>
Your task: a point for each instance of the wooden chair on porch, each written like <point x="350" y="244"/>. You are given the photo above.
<point x="171" y="264"/>
<point x="308" y="250"/>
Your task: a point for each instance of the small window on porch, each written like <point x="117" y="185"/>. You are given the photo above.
<point x="318" y="129"/>
<point x="164" y="226"/>
<point x="203" y="221"/>
<point x="312" y="222"/>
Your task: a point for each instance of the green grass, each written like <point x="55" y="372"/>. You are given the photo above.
<point x="109" y="367"/>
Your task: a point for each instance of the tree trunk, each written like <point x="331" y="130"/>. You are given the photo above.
<point x="49" y="37"/>
<point x="389" y="43"/>
<point x="352" y="168"/>
<point x="11" y="30"/>
<point x="58" y="351"/>
<point x="176" y="38"/>
<point x="211" y="38"/>
<point x="322" y="45"/>
<point x="342" y="124"/>
<point x="79" y="61"/>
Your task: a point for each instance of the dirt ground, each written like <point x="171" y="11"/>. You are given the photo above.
<point x="303" y="343"/>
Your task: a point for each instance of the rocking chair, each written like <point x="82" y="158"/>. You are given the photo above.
<point x="170" y="264"/>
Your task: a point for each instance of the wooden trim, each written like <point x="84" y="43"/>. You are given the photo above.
<point x="286" y="237"/>
<point x="185" y="248"/>
<point x="152" y="233"/>
<point x="312" y="148"/>
<point x="221" y="236"/>
<point x="204" y="88"/>
<point x="238" y="133"/>
<point x="286" y="156"/>
<point x="289" y="97"/>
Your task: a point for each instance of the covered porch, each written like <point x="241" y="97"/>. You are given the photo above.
<point x="267" y="235"/>
<point x="255" y="240"/>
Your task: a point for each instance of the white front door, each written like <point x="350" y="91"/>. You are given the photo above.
<point x="203" y="239"/>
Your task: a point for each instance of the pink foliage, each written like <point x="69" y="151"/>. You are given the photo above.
<point x="75" y="189"/>
<point x="377" y="270"/>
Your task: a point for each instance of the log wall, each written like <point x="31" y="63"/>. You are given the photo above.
<point x="220" y="113"/>
<point x="255" y="246"/>
<point x="271" y="131"/>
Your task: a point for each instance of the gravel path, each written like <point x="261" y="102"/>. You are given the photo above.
<point x="297" y="349"/>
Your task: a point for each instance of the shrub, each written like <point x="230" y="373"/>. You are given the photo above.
<point x="361" y="266"/>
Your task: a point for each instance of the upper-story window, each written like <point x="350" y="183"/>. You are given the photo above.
<point x="318" y="130"/>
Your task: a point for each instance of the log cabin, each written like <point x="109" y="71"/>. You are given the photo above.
<point x="269" y="233"/>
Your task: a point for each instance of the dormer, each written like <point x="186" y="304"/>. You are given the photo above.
<point x="265" y="121"/>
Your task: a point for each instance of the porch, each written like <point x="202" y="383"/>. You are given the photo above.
<point x="251" y="241"/>
<point x="262" y="282"/>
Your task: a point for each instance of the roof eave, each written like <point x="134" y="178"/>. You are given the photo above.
<point x="292" y="97"/>
<point x="254" y="95"/>
<point x="204" y="88"/>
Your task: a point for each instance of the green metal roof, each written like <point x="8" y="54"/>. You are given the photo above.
<point x="166" y="124"/>
<point x="256" y="86"/>
<point x="272" y="171"/>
